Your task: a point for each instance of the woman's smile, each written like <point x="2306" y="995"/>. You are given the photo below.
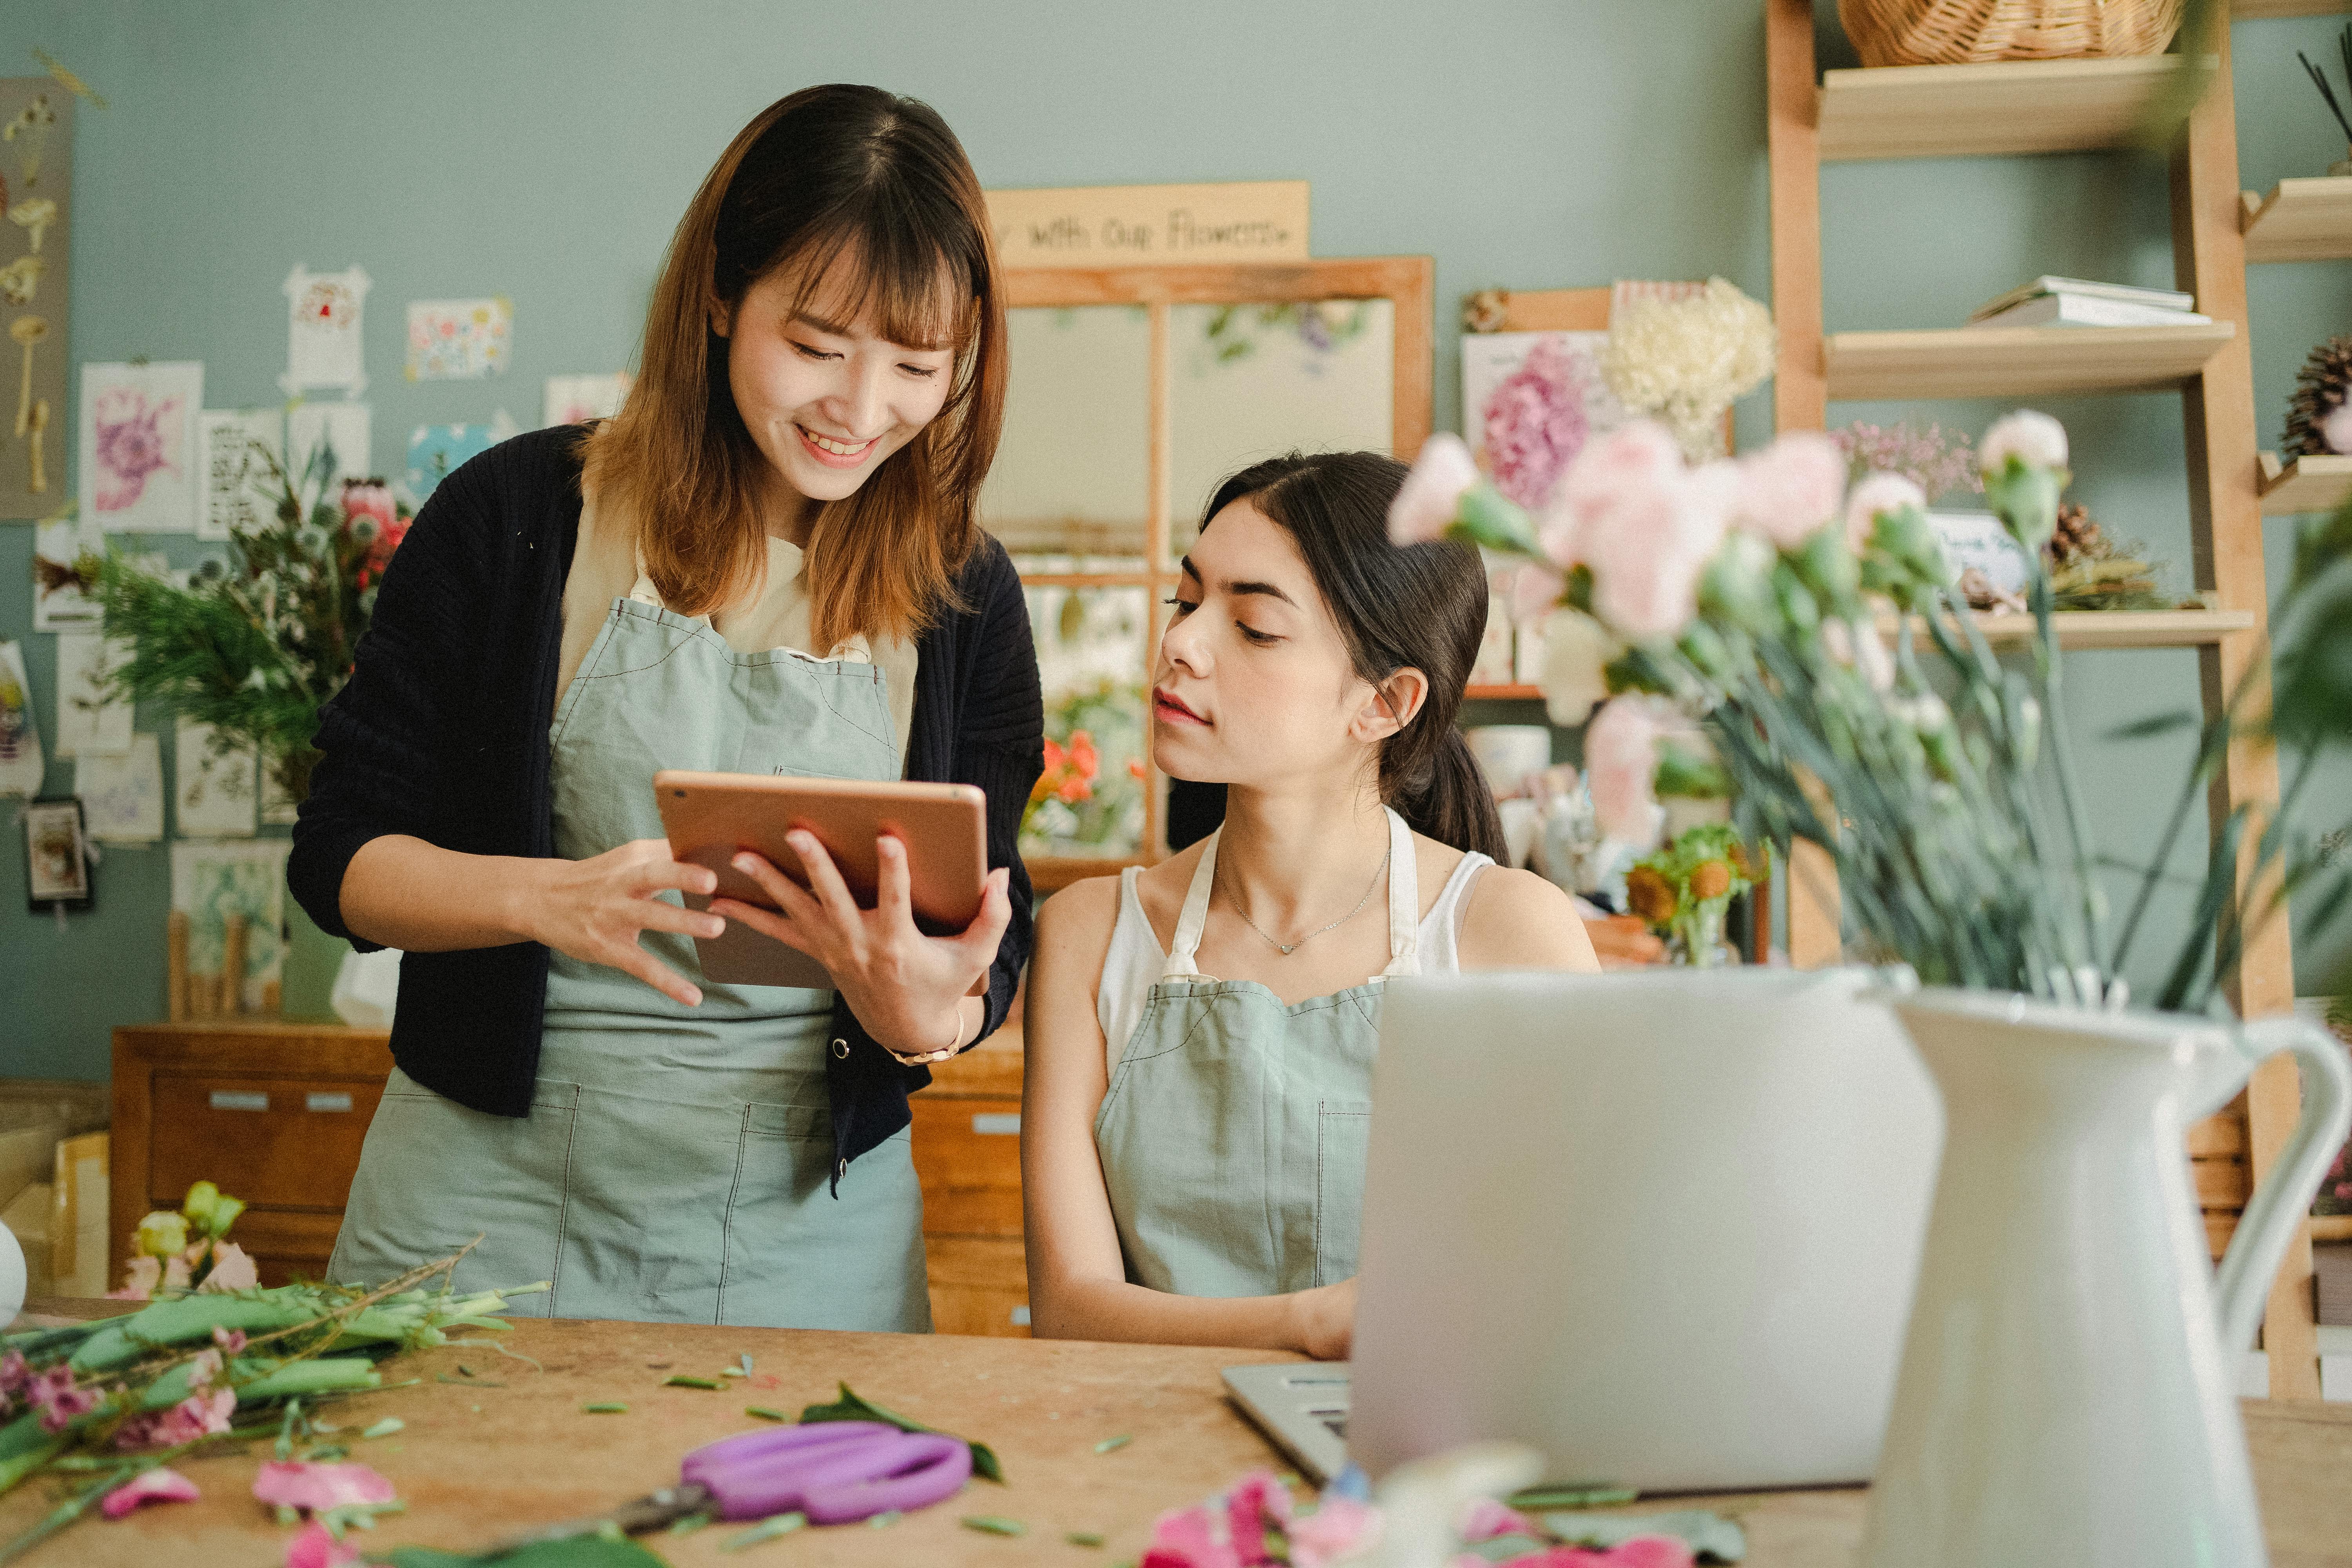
<point x="834" y="451"/>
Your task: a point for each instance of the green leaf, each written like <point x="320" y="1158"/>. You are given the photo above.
<point x="679" y="1380"/>
<point x="2157" y="724"/>
<point x="764" y="1414"/>
<point x="766" y="1529"/>
<point x="850" y="1407"/>
<point x="605" y="1407"/>
<point x="572" y="1552"/>
<point x="1571" y="1494"/>
<point x="1711" y="1537"/>
<point x="1109" y="1445"/>
<point x="1083" y="1538"/>
<point x="885" y="1520"/>
<point x="385" y="1427"/>
<point x="995" y="1524"/>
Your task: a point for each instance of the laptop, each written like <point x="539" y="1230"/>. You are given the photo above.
<point x="1663" y="1227"/>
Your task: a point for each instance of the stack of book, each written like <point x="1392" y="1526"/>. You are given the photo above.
<point x="2075" y="302"/>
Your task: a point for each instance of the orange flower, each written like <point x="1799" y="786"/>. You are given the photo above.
<point x="1711" y="880"/>
<point x="1651" y="896"/>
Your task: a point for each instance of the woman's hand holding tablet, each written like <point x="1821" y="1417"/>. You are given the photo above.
<point x="594" y="910"/>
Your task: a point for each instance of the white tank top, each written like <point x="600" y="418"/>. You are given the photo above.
<point x="1136" y="961"/>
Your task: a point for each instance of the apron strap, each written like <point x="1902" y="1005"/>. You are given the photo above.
<point x="855" y="649"/>
<point x="1194" y="916"/>
<point x="1404" y="900"/>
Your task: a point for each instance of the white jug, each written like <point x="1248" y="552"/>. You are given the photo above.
<point x="2067" y="1393"/>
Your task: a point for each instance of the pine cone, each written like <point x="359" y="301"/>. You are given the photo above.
<point x="2320" y="388"/>
<point x="2076" y="538"/>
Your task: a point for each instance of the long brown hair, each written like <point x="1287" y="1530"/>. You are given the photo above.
<point x="878" y="184"/>
<point x="1422" y="606"/>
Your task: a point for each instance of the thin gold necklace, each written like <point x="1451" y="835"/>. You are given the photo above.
<point x="1289" y="948"/>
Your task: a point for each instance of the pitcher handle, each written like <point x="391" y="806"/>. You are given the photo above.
<point x="2242" y="1286"/>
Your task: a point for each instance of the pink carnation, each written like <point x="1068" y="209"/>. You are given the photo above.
<point x="1338" y="1527"/>
<point x="1431" y="493"/>
<point x="1189" y="1538"/>
<point x="197" y="1416"/>
<point x="1534" y="422"/>
<point x="1488" y="1519"/>
<point x="139" y="1279"/>
<point x="298" y="1483"/>
<point x="1878" y="493"/>
<point x="233" y="1269"/>
<point x="1641" y="1551"/>
<point x="1620" y="764"/>
<point x="158" y="1485"/>
<point x="1649" y="544"/>
<point x="1256" y="1504"/>
<point x="1790" y="488"/>
<point x="314" y="1547"/>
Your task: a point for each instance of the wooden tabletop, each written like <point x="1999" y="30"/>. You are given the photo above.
<point x="476" y="1463"/>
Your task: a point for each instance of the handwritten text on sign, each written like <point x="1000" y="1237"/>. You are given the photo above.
<point x="1121" y="226"/>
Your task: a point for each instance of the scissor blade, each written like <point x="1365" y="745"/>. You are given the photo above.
<point x="652" y="1511"/>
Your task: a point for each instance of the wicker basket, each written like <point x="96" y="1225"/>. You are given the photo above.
<point x="1965" y="32"/>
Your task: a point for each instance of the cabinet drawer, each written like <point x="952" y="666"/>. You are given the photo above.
<point x="968" y="1158"/>
<point x="277" y="1142"/>
<point x="286" y="1246"/>
<point x="979" y="1286"/>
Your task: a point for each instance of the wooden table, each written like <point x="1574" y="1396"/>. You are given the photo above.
<point x="474" y="1463"/>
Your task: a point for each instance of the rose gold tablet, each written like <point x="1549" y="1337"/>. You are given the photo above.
<point x="709" y="817"/>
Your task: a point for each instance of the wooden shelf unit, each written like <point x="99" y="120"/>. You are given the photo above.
<point x="1979" y="110"/>
<point x="2088" y="630"/>
<point x="2300" y="220"/>
<point x="1516" y="693"/>
<point x="2030" y="107"/>
<point x="2251" y="10"/>
<point x="2018" y="361"/>
<point x="2307" y="484"/>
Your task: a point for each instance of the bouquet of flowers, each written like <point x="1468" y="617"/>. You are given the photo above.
<point x="1684" y="889"/>
<point x="1068" y="779"/>
<point x="256" y="648"/>
<point x="1756" y="628"/>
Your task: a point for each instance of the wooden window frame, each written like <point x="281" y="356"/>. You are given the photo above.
<point x="1407" y="282"/>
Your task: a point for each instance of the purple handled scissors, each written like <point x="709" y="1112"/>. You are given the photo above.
<point x="835" y="1472"/>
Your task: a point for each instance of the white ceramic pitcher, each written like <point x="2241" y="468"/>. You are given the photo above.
<point x="2068" y="1388"/>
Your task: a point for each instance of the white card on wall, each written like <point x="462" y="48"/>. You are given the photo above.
<point x="93" y="719"/>
<point x="138" y="446"/>
<point x="345" y="424"/>
<point x="237" y="447"/>
<point x="213" y="882"/>
<point x="65" y="608"/>
<point x="571" y="399"/>
<point x="21" y="761"/>
<point x="215" y="791"/>
<point x="122" y="796"/>
<point x="323" y="331"/>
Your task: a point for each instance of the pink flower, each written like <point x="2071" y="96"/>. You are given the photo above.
<point x="1256" y="1504"/>
<point x="1535" y="423"/>
<point x="158" y="1485"/>
<point x="1648" y="549"/>
<point x="229" y="1341"/>
<point x="1338" y="1527"/>
<point x="298" y="1483"/>
<point x="1188" y="1538"/>
<point x="233" y="1269"/>
<point x="1790" y="488"/>
<point x="53" y="1394"/>
<point x="1621" y="763"/>
<point x="1878" y="493"/>
<point x="1532" y="591"/>
<point x="139" y="1280"/>
<point x="15" y="1376"/>
<point x="1432" y="491"/>
<point x="1641" y="1551"/>
<point x="314" y="1547"/>
<point x="1488" y="1519"/>
<point x="198" y="1415"/>
<point x="131" y="444"/>
<point x="1630" y="459"/>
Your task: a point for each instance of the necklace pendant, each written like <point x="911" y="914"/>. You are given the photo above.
<point x="1286" y="951"/>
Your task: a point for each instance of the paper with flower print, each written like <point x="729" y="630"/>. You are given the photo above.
<point x="212" y="881"/>
<point x="237" y="445"/>
<point x="323" y="312"/>
<point x="122" y="796"/>
<point x="459" y="340"/>
<point x="1525" y="420"/>
<point x="21" y="760"/>
<point x="37" y="123"/>
<point x="138" y="446"/>
<point x="64" y="607"/>
<point x="93" y="717"/>
<point x="437" y="451"/>
<point x="218" y="788"/>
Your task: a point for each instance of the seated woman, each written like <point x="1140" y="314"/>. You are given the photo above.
<point x="1201" y="1033"/>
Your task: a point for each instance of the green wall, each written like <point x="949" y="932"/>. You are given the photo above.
<point x="543" y="150"/>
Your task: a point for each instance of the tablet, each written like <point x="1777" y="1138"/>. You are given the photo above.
<point x="707" y="817"/>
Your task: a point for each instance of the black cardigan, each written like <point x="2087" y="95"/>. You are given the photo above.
<point x="441" y="733"/>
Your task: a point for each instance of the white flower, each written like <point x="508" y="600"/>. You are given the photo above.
<point x="1433" y="491"/>
<point x="2035" y="439"/>
<point x="1576" y="647"/>
<point x="1878" y="493"/>
<point x="2337" y="429"/>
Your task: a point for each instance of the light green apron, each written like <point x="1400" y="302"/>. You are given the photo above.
<point x="675" y="1163"/>
<point x="1232" y="1136"/>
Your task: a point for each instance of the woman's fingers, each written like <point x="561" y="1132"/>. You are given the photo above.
<point x="894" y="888"/>
<point x="631" y="959"/>
<point x="766" y="922"/>
<point x="824" y="877"/>
<point x="658" y="915"/>
<point x="979" y="939"/>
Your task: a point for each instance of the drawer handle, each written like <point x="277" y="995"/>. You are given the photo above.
<point x="327" y="1101"/>
<point x="238" y="1100"/>
<point x="996" y="1123"/>
<point x="1021" y="1316"/>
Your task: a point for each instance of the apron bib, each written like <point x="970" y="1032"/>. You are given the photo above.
<point x="1233" y="1133"/>
<point x="674" y="1164"/>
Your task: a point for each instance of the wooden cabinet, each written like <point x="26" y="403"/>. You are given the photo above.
<point x="273" y="1112"/>
<point x="967" y="1157"/>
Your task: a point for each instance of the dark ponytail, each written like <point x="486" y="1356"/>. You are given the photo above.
<point x="1422" y="607"/>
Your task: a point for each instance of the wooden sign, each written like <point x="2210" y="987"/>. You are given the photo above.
<point x="1126" y="226"/>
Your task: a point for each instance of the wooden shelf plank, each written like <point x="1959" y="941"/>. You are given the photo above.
<point x="1987" y="110"/>
<point x="2307" y="484"/>
<point x="2248" y="10"/>
<point x="2300" y="220"/>
<point x="1503" y="694"/>
<point x="2018" y="361"/>
<point x="2092" y="629"/>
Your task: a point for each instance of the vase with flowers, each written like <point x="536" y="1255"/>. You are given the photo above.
<point x="2066" y="1393"/>
<point x="256" y="646"/>
<point x="1683" y="891"/>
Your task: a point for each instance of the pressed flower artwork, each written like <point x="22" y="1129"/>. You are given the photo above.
<point x="139" y="444"/>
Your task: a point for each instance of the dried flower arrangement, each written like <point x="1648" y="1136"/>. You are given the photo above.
<point x="1685" y="356"/>
<point x="2327" y="94"/>
<point x="1536" y="422"/>
<point x="1937" y="461"/>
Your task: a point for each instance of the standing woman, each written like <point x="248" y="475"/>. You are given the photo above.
<point x="769" y="562"/>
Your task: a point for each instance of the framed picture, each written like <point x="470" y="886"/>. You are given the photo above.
<point x="56" y="857"/>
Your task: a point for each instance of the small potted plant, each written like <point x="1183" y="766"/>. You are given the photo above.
<point x="1685" y="890"/>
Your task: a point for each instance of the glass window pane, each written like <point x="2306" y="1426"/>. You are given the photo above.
<point x="1090" y="661"/>
<point x="1248" y="382"/>
<point x="1073" y="469"/>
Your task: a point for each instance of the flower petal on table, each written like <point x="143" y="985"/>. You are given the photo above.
<point x="158" y="1485"/>
<point x="298" y="1483"/>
